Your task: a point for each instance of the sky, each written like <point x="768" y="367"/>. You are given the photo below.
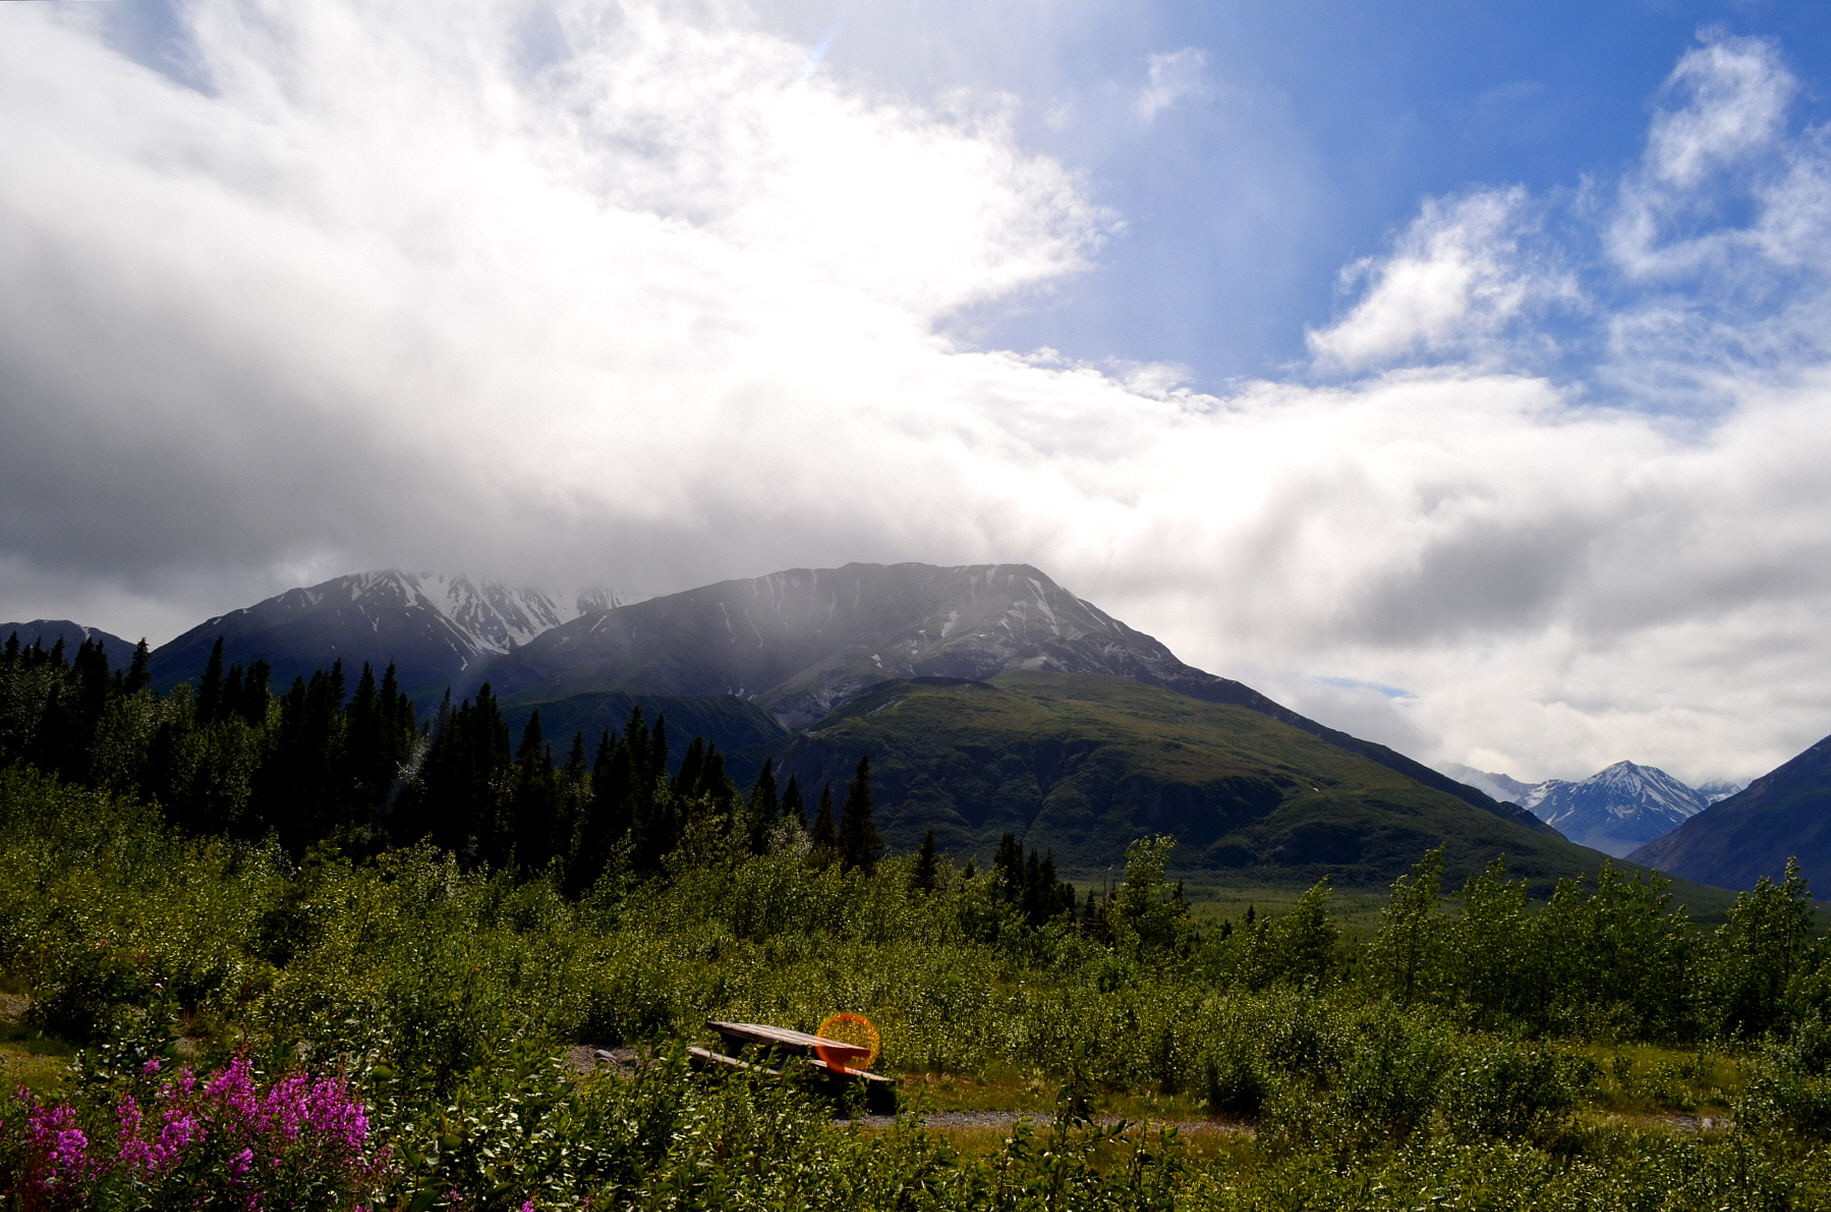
<point x="1456" y="373"/>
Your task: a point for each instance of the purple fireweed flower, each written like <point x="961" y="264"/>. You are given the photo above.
<point x="151" y="1065"/>
<point x="238" y="1165"/>
<point x="234" y="1088"/>
<point x="133" y="1152"/>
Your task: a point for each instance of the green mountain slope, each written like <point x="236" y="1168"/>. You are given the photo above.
<point x="743" y="732"/>
<point x="1083" y="764"/>
<point x="1786" y="813"/>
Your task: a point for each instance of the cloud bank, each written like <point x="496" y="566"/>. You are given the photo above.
<point x="620" y="293"/>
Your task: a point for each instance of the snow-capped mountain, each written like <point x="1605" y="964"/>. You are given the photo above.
<point x="803" y="642"/>
<point x="432" y="626"/>
<point x="1616" y="810"/>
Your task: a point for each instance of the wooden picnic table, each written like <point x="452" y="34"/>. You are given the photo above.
<point x="779" y="1042"/>
<point x="738" y="1036"/>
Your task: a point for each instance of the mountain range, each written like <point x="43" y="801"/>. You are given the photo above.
<point x="1616" y="810"/>
<point x="990" y="698"/>
<point x="434" y="628"/>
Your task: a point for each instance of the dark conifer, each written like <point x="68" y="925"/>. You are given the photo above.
<point x="824" y="838"/>
<point x="658" y="750"/>
<point x="792" y="807"/>
<point x="231" y="692"/>
<point x="714" y="786"/>
<point x="636" y="738"/>
<point x="577" y="770"/>
<point x="1008" y="867"/>
<point x="253" y="707"/>
<point x="924" y="876"/>
<point x="210" y="689"/>
<point x="686" y="779"/>
<point x="139" y="671"/>
<point x="605" y="818"/>
<point x="534" y="803"/>
<point x="859" y="843"/>
<point x="761" y="809"/>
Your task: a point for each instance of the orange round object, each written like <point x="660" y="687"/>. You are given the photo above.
<point x="850" y="1029"/>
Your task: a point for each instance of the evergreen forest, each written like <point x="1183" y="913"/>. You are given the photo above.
<point x="301" y="948"/>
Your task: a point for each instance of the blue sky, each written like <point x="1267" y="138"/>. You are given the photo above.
<point x="1458" y="374"/>
<point x="1312" y="133"/>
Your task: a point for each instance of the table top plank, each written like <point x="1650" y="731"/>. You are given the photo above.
<point x="782" y="1037"/>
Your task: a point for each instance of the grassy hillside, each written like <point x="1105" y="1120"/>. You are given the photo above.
<point x="1083" y="764"/>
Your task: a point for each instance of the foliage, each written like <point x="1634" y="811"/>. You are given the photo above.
<point x="425" y="991"/>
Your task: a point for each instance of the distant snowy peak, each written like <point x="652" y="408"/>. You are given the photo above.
<point x="1507" y="790"/>
<point x="1615" y="810"/>
<point x="1626" y="788"/>
<point x="1712" y="792"/>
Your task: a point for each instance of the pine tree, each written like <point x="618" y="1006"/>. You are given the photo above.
<point x="686" y="779"/>
<point x="139" y="671"/>
<point x="824" y="840"/>
<point x="859" y="843"/>
<point x="255" y="695"/>
<point x="658" y="750"/>
<point x="792" y="808"/>
<point x="761" y="810"/>
<point x="534" y="802"/>
<point x="606" y="815"/>
<point x="1008" y="867"/>
<point x="210" y="689"/>
<point x="923" y="877"/>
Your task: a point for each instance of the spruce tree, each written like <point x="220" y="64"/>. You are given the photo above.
<point x="658" y="750"/>
<point x="692" y="765"/>
<point x="139" y="671"/>
<point x="762" y="808"/>
<point x="859" y="843"/>
<point x="924" y="876"/>
<point x="606" y="815"/>
<point x="792" y="808"/>
<point x="210" y="689"/>
<point x="824" y="839"/>
<point x="533" y="807"/>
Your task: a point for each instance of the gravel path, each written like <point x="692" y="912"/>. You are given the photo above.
<point x="1005" y="1120"/>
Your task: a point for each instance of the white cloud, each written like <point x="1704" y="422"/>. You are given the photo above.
<point x="1458" y="277"/>
<point x="1174" y="75"/>
<point x="1735" y="97"/>
<point x="656" y="312"/>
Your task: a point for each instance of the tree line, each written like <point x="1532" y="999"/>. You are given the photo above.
<point x="358" y="769"/>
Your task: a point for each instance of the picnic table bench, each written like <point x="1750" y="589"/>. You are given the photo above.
<point x="778" y="1043"/>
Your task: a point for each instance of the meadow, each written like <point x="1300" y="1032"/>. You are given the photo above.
<point x="204" y="1021"/>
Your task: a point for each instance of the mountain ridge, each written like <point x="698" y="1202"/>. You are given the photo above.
<point x="1616" y="810"/>
<point x="49" y="631"/>
<point x="435" y="627"/>
<point x="833" y="641"/>
<point x="1786" y="813"/>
